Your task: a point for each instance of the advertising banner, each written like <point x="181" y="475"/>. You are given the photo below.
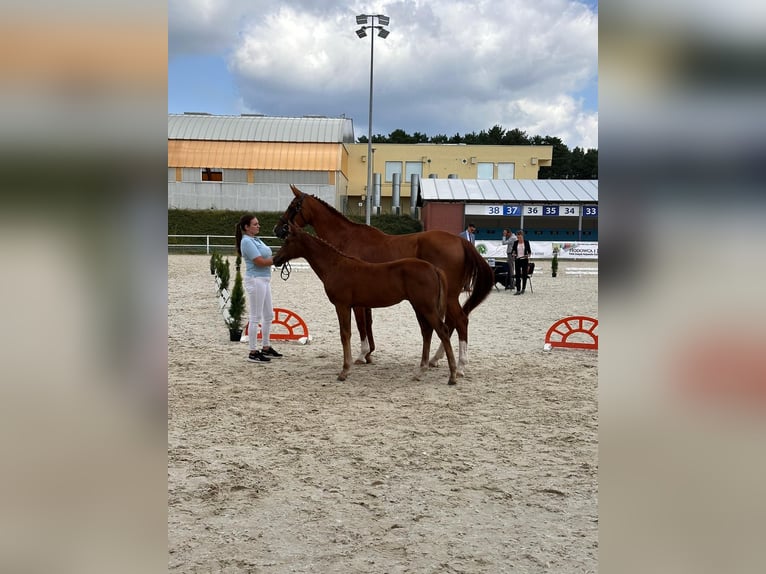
<point x="492" y="249"/>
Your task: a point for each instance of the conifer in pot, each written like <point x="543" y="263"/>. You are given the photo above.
<point x="236" y="308"/>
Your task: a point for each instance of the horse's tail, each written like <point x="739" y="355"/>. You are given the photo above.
<point x="441" y="297"/>
<point x="478" y="278"/>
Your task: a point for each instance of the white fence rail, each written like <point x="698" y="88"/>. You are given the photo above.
<point x="204" y="242"/>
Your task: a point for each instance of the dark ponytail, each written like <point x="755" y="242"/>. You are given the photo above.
<point x="239" y="230"/>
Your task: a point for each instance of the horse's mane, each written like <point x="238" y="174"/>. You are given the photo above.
<point x="331" y="246"/>
<point x="328" y="206"/>
<point x="334" y="212"/>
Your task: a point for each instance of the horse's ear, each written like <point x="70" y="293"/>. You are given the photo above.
<point x="296" y="192"/>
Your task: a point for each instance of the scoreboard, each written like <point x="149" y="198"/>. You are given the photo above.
<point x="532" y="210"/>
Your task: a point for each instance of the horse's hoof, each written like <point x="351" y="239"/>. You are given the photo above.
<point x="369" y="360"/>
<point x="342" y="377"/>
<point x="433" y="364"/>
<point x="452" y="382"/>
<point x="360" y="362"/>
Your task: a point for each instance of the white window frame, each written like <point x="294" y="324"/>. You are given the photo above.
<point x="483" y="165"/>
<point x="411" y="167"/>
<point x="393" y="167"/>
<point x="502" y="166"/>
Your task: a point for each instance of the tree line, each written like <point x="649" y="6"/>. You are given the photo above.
<point x="566" y="164"/>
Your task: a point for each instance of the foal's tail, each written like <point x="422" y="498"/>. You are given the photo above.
<point x="441" y="297"/>
<point x="478" y="278"/>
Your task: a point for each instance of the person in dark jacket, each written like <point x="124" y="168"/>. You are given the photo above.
<point x="508" y="239"/>
<point x="520" y="251"/>
<point x="469" y="234"/>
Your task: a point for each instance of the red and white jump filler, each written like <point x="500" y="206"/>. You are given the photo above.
<point x="286" y="326"/>
<point x="575" y="332"/>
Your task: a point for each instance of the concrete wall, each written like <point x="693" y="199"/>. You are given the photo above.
<point x="239" y="196"/>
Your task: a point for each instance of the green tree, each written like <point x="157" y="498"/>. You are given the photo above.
<point x="236" y="304"/>
<point x="590" y="169"/>
<point x="561" y="162"/>
<point x="399" y="136"/>
<point x="515" y="137"/>
<point x="576" y="162"/>
<point x="584" y="164"/>
<point x="494" y="136"/>
<point x="472" y="139"/>
<point x="223" y="273"/>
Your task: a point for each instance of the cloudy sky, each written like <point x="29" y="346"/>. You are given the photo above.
<point x="447" y="67"/>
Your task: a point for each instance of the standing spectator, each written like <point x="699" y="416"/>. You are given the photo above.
<point x="258" y="262"/>
<point x="520" y="251"/>
<point x="469" y="234"/>
<point x="508" y="238"/>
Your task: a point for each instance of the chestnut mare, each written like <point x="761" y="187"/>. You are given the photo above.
<point x="464" y="267"/>
<point x="350" y="283"/>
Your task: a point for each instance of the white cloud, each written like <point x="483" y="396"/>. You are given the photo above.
<point x="562" y="117"/>
<point x="200" y="27"/>
<point x="447" y="67"/>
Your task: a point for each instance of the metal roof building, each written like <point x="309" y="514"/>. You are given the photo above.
<point x="258" y="128"/>
<point x="509" y="190"/>
<point x="247" y="162"/>
<point x="547" y="209"/>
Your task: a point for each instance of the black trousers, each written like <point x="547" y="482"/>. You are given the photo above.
<point x="521" y="273"/>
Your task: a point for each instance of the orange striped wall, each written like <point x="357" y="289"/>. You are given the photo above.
<point x="257" y="155"/>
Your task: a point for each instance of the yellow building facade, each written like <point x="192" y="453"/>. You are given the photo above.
<point x="461" y="161"/>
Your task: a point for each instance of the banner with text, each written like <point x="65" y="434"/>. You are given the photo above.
<point x="542" y="249"/>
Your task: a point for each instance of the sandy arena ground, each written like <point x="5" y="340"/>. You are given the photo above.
<point x="277" y="468"/>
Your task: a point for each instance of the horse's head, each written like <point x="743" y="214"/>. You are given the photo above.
<point x="293" y="214"/>
<point x="292" y="246"/>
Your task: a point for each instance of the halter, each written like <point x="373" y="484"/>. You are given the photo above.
<point x="282" y="227"/>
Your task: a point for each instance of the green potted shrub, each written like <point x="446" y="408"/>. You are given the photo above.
<point x="213" y="263"/>
<point x="223" y="274"/>
<point x="236" y="309"/>
<point x="555" y="262"/>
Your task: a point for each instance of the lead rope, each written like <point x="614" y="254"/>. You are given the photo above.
<point x="284" y="273"/>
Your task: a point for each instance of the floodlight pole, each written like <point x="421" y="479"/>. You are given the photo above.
<point x="372" y="27"/>
<point x="368" y="208"/>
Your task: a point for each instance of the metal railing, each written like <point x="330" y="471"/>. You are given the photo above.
<point x="207" y="243"/>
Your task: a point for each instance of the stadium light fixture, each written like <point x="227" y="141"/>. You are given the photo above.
<point x="383" y="33"/>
